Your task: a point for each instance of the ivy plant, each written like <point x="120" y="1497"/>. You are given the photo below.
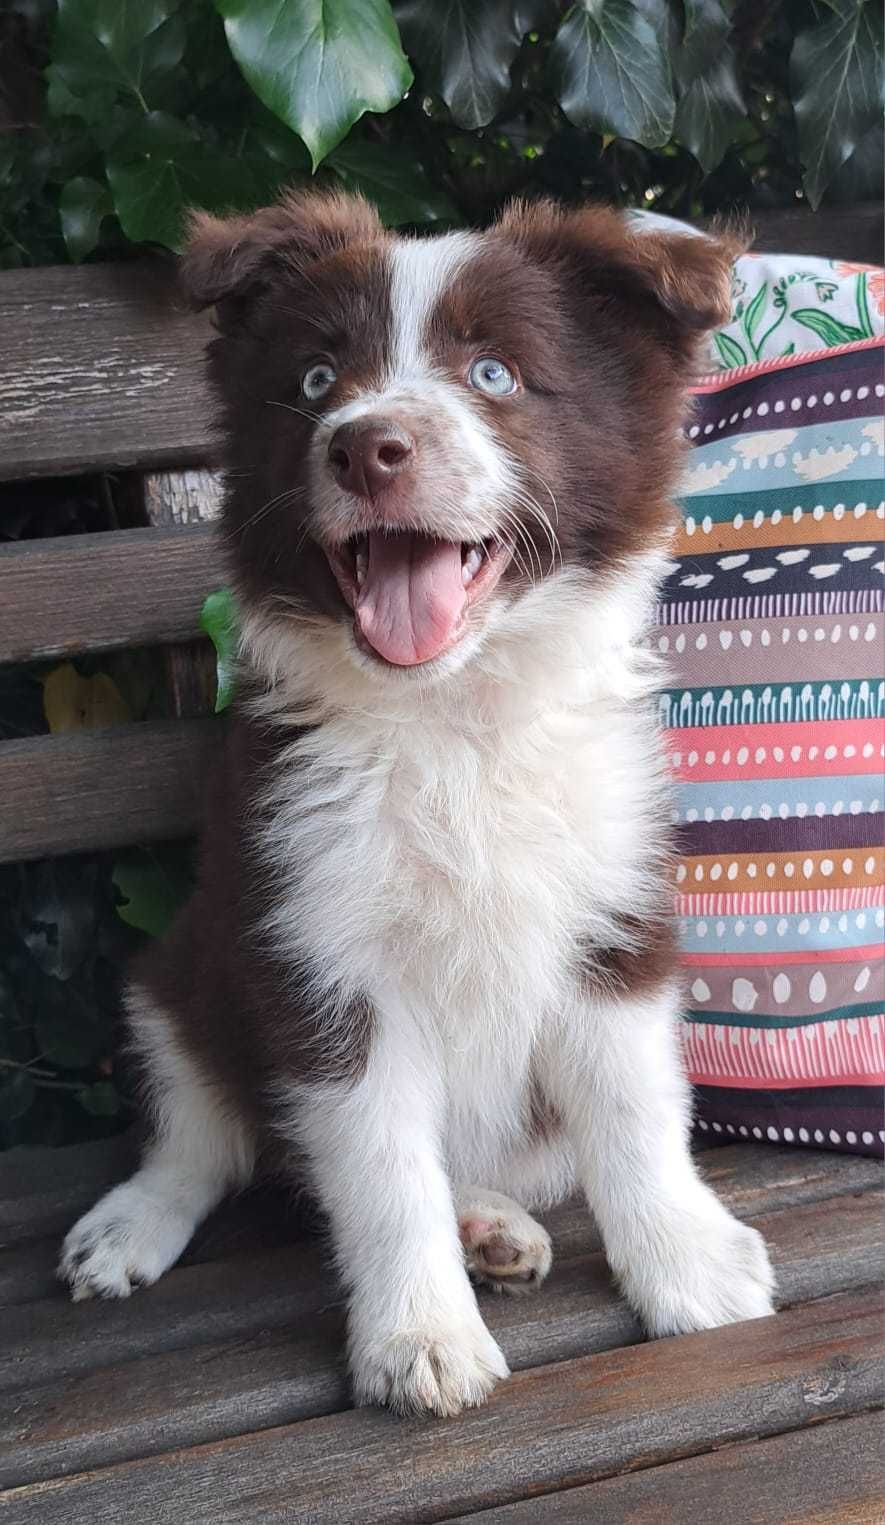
<point x="120" y="114"/>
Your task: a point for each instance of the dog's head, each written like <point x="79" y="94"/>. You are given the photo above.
<point x="422" y="430"/>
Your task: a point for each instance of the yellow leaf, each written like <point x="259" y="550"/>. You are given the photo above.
<point x="72" y="703"/>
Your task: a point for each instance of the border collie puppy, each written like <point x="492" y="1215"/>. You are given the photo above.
<point x="429" y="964"/>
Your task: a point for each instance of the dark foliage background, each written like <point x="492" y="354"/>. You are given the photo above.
<point x="115" y="115"/>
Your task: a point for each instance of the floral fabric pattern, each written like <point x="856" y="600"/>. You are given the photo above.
<point x="783" y="306"/>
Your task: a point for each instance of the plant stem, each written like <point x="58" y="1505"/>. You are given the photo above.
<point x="863" y="310"/>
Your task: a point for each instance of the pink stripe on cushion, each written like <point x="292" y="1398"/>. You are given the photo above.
<point x="779" y="902"/>
<point x="718" y="381"/>
<point x="849" y="1051"/>
<point x="722" y="752"/>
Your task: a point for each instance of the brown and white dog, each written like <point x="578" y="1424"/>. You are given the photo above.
<point x="430" y="954"/>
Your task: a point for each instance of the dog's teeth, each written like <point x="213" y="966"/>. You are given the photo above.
<point x="472" y="564"/>
<point x="362" y="562"/>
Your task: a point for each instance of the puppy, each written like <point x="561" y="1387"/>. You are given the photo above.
<point x="430" y="963"/>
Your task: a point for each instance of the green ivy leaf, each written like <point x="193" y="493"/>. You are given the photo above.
<point x="704" y="35"/>
<point x="394" y="180"/>
<point x="610" y="73"/>
<point x="465" y="51"/>
<point x="709" y="110"/>
<point x="82" y="207"/>
<point x="161" y="168"/>
<point x="319" y="65"/>
<point x="100" y="1099"/>
<point x="151" y="895"/>
<point x="730" y="352"/>
<point x="754" y="311"/>
<point x="835" y="77"/>
<point x="220" y="619"/>
<point x="826" y="326"/>
<point x="103" y="49"/>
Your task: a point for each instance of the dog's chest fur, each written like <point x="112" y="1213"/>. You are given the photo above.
<point x="453" y="864"/>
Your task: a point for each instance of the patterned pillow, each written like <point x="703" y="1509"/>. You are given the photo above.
<point x="784" y="305"/>
<point x="772" y="625"/>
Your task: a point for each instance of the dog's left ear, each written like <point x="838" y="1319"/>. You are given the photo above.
<point x="686" y="275"/>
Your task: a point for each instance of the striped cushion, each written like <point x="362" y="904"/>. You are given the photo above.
<point x="772" y="625"/>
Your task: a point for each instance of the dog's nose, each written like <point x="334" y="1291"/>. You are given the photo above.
<point x="367" y="456"/>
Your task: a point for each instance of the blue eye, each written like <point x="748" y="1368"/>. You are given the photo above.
<point x="319" y="380"/>
<point x="491" y="376"/>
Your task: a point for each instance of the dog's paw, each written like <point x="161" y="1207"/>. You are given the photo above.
<point x="127" y="1240"/>
<point x="712" y="1270"/>
<point x="434" y="1371"/>
<point x="504" y="1247"/>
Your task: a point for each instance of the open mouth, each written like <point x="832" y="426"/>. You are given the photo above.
<point x="411" y="593"/>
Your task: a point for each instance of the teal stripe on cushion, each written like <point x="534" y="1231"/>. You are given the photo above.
<point x="761" y="798"/>
<point x="768" y="703"/>
<point x="765" y="1020"/>
<point x="811" y="932"/>
<point x="721" y="508"/>
<point x="722" y="465"/>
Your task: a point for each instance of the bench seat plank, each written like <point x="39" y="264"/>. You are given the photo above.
<point x="42" y="1191"/>
<point x="831" y="1474"/>
<point x="262" y="1334"/>
<point x="558" y="1425"/>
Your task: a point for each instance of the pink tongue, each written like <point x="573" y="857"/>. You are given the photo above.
<point x="412" y="601"/>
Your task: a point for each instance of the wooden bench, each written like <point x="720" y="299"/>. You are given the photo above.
<point x="220" y="1394"/>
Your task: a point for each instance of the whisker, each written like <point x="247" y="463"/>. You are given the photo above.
<point x="290" y="493"/>
<point x="315" y="418"/>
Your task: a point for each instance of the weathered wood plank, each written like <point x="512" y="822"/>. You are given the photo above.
<point x="835" y="232"/>
<point x="573" y="1423"/>
<point x="102" y="1383"/>
<point x="262" y="1218"/>
<point x="104" y="788"/>
<point x="831" y="1474"/>
<point x="101" y="368"/>
<point x="102" y="592"/>
<point x="43" y="1190"/>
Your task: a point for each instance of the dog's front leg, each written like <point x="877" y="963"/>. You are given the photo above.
<point x="415" y="1336"/>
<point x="683" y="1261"/>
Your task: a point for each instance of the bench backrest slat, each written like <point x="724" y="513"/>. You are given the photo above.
<point x="104" y="788"/>
<point x="101" y="592"/>
<point x="100" y="368"/>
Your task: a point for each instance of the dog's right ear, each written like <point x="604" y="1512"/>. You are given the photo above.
<point x="227" y="261"/>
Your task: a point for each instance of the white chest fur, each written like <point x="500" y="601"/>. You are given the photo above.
<point x="446" y="857"/>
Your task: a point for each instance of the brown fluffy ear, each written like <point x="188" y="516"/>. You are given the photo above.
<point x="227" y="258"/>
<point x="689" y="277"/>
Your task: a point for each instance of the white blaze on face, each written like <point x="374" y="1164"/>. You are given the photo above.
<point x="464" y="476"/>
<point x="457" y="489"/>
<point x="421" y="269"/>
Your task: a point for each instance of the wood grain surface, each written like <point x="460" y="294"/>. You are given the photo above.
<point x="105" y="788"/>
<point x="101" y="367"/>
<point x="78" y="593"/>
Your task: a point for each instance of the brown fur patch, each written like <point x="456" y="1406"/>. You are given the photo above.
<point x="543" y="1122"/>
<point x="646" y="959"/>
<point x="249" y="1020"/>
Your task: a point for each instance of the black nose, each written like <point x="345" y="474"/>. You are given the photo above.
<point x="367" y="456"/>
